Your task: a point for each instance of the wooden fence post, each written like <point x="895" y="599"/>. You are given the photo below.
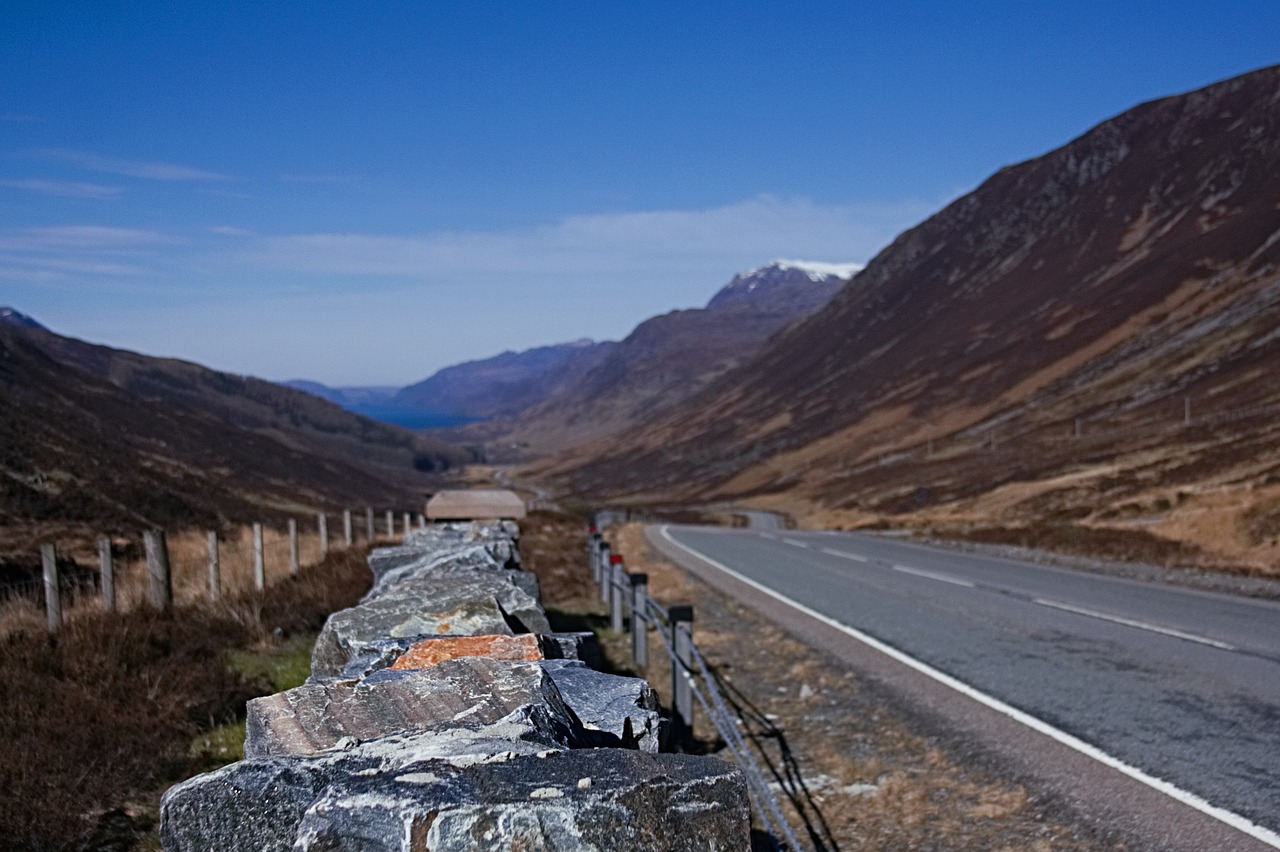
<point x="322" y="521"/>
<point x="640" y="619"/>
<point x="391" y="524"/>
<point x="259" y="563"/>
<point x="422" y="521"/>
<point x="215" y="568"/>
<point x="159" y="579"/>
<point x="52" y="590"/>
<point x="294" y="561"/>
<point x="106" y="574"/>
<point x="368" y="523"/>
<point x="406" y="524"/>
<point x="346" y="526"/>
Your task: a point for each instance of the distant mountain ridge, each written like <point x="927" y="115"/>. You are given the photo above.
<point x="612" y="387"/>
<point x="490" y="387"/>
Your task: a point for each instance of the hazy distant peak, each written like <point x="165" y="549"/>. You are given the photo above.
<point x="13" y="317"/>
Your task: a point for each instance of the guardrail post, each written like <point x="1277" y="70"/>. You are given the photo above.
<point x="606" y="552"/>
<point x="259" y="561"/>
<point x="106" y="574"/>
<point x="617" y="574"/>
<point x="215" y="568"/>
<point x="346" y="527"/>
<point x="52" y="588"/>
<point x="159" y="581"/>
<point x="681" y="688"/>
<point x="294" y="561"/>
<point x="322" y="523"/>
<point x="640" y="619"/>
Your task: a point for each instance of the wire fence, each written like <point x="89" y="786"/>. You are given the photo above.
<point x="692" y="678"/>
<point x="156" y="569"/>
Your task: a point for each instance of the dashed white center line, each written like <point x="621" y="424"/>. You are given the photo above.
<point x="795" y="542"/>
<point x="1140" y="625"/>
<point x="855" y="557"/>
<point x="943" y="578"/>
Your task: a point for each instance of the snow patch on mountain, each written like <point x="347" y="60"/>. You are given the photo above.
<point x="816" y="270"/>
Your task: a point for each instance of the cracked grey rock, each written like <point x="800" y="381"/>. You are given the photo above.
<point x="618" y="712"/>
<point x="377" y="654"/>
<point x="464" y="604"/>
<point x="467" y="692"/>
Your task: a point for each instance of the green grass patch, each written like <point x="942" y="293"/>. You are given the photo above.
<point x="284" y="665"/>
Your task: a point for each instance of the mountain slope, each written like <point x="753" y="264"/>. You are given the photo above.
<point x="294" y="418"/>
<point x="1091" y="290"/>
<point x="118" y="440"/>
<point x="667" y="358"/>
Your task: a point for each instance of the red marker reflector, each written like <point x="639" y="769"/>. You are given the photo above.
<point x="615" y="559"/>
<point x="591" y="528"/>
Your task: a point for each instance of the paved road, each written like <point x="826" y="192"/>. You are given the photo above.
<point x="1184" y="685"/>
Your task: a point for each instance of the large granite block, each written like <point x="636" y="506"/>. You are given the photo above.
<point x="599" y="800"/>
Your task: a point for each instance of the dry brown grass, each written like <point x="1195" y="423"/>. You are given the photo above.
<point x="96" y="720"/>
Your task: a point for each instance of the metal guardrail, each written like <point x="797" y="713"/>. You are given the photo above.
<point x="691" y="677"/>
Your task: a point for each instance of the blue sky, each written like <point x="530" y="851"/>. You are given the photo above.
<point x="361" y="193"/>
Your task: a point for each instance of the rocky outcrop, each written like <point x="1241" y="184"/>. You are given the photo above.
<point x="442" y="714"/>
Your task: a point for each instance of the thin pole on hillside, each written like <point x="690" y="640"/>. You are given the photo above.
<point x="294" y="561"/>
<point x="215" y="568"/>
<point x="52" y="590"/>
<point x="259" y="563"/>
<point x="106" y="574"/>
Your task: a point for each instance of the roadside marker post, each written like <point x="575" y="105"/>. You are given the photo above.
<point x="617" y="573"/>
<point x="639" y="619"/>
<point x="681" y="667"/>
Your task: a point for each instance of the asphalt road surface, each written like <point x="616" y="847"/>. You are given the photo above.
<point x="1159" y="704"/>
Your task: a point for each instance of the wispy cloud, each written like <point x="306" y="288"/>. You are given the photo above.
<point x="64" y="188"/>
<point x="75" y="252"/>
<point x="320" y="178"/>
<point x="144" y="169"/>
<point x="614" y="243"/>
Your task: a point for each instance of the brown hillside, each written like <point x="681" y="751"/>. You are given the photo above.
<point x="78" y="452"/>
<point x="1094" y="289"/>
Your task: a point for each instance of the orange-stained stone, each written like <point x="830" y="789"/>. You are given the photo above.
<point x="428" y="652"/>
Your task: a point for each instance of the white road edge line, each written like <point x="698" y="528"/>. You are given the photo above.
<point x="1131" y="622"/>
<point x="955" y="581"/>
<point x="1190" y="799"/>
<point x="855" y="557"/>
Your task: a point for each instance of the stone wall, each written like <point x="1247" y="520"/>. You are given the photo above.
<point x="443" y="714"/>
